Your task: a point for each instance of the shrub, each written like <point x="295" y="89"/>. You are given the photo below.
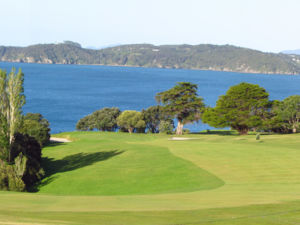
<point x="25" y="169"/>
<point x="166" y="126"/>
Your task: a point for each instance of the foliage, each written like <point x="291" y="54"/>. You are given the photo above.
<point x="28" y="156"/>
<point x="285" y="115"/>
<point x="36" y="126"/>
<point x="132" y="120"/>
<point x="11" y="101"/>
<point x="183" y="103"/>
<point x="85" y="123"/>
<point x="153" y="116"/>
<point x="243" y="107"/>
<point x="106" y="119"/>
<point x="205" y="57"/>
<point x="103" y="120"/>
<point x="9" y="179"/>
<point x="26" y="169"/>
<point x="166" y="126"/>
<point x="20" y="154"/>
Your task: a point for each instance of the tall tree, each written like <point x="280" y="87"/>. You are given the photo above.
<point x="183" y="103"/>
<point x="242" y="107"/>
<point x="4" y="130"/>
<point x="12" y="99"/>
<point x="16" y="98"/>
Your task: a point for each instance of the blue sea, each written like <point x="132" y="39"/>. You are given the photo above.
<point x="65" y="93"/>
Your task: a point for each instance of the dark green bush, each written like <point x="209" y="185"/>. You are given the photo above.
<point x="25" y="169"/>
<point x="36" y="126"/>
<point x="104" y="120"/>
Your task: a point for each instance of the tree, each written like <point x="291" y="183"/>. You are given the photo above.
<point x="35" y="125"/>
<point x="86" y="123"/>
<point x="104" y="120"/>
<point x="288" y="112"/>
<point x="166" y="126"/>
<point x="11" y="101"/>
<point x="131" y="120"/>
<point x="153" y="116"/>
<point x="26" y="168"/>
<point x="183" y="103"/>
<point x="243" y="107"/>
<point x="20" y="154"/>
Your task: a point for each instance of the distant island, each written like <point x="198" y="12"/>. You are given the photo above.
<point x="199" y="57"/>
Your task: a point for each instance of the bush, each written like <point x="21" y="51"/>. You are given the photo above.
<point x="25" y="169"/>
<point x="166" y="126"/>
<point x="9" y="180"/>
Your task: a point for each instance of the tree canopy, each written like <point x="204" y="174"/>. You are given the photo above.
<point x="35" y="125"/>
<point x="131" y="120"/>
<point x="153" y="116"/>
<point x="242" y="107"/>
<point x="288" y="112"/>
<point x="104" y="120"/>
<point x="183" y="103"/>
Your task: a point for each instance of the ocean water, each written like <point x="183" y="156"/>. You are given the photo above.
<point x="65" y="93"/>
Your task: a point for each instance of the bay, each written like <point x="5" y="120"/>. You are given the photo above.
<point x="65" y="93"/>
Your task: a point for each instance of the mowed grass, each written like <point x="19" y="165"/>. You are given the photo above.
<point x="122" y="164"/>
<point x="117" y="178"/>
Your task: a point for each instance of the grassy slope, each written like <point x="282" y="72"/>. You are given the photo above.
<point x="104" y="165"/>
<point x="262" y="179"/>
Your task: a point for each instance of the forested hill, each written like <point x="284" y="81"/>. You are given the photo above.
<point x="203" y="57"/>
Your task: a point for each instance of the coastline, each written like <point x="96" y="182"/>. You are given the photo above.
<point x="175" y="68"/>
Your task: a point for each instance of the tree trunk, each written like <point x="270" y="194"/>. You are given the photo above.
<point x="179" y="128"/>
<point x="243" y="131"/>
<point x="130" y="130"/>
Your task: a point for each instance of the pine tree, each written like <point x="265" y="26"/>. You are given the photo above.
<point x="183" y="103"/>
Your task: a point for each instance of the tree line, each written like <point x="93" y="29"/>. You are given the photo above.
<point x="21" y="136"/>
<point x="244" y="107"/>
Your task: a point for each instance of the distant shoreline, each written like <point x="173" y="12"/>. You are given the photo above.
<point x="129" y="66"/>
<point x="205" y="57"/>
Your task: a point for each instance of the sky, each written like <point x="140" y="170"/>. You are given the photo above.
<point x="266" y="25"/>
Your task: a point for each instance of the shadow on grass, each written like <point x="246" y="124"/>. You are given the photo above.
<point x="71" y="162"/>
<point x="54" y="144"/>
<point x="217" y="132"/>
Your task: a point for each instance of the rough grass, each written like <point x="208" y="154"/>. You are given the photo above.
<point x="116" y="178"/>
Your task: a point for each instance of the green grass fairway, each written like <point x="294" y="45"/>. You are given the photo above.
<point x="123" y="179"/>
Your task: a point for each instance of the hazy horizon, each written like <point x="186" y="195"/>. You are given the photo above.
<point x="265" y="25"/>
